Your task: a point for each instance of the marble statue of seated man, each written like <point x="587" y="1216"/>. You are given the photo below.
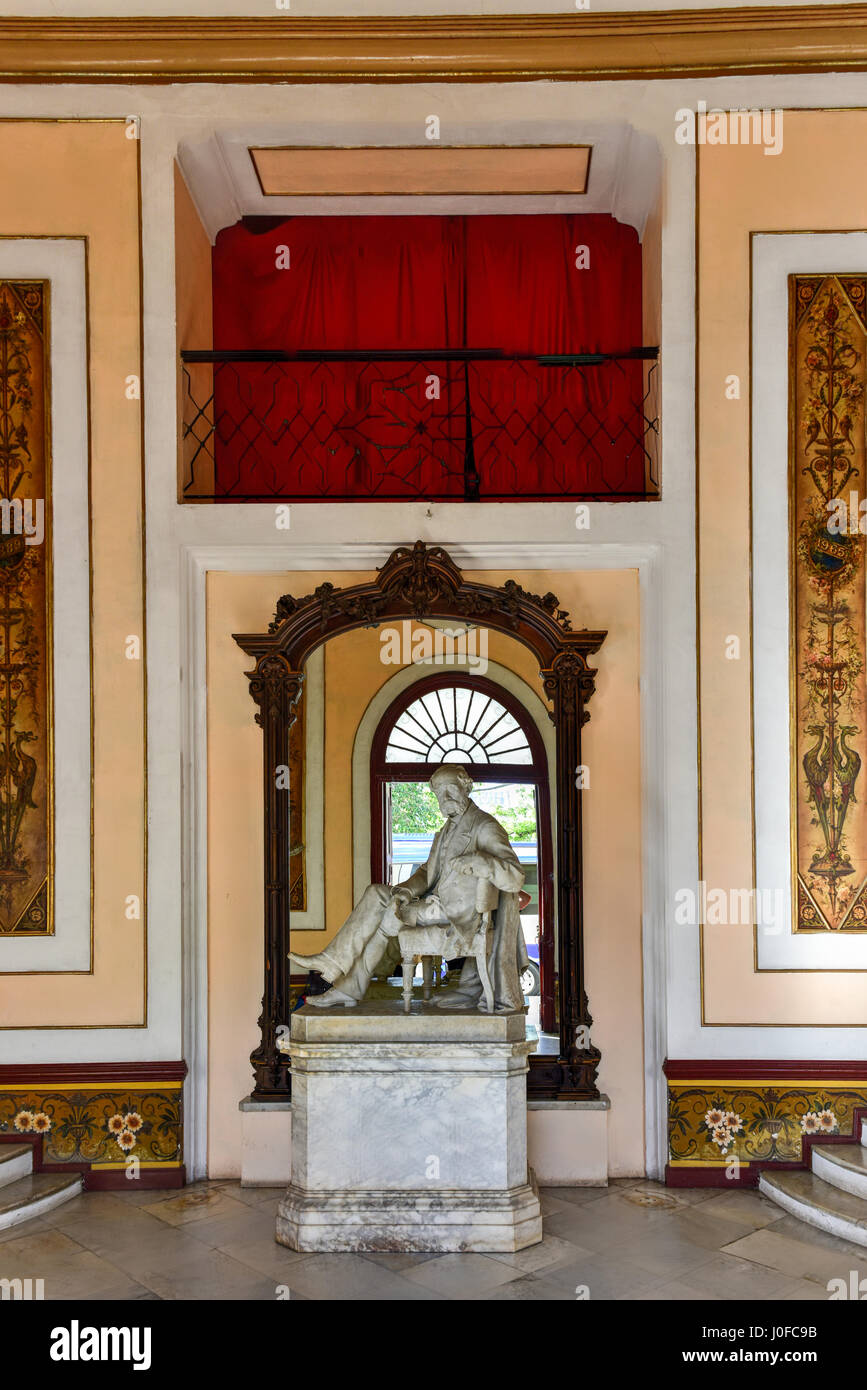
<point x="471" y="845"/>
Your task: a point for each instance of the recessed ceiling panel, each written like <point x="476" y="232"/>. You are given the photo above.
<point x="286" y="171"/>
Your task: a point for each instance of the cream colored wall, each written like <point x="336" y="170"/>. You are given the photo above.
<point x="353" y="675"/>
<point x="80" y="178"/>
<point x="742" y="191"/>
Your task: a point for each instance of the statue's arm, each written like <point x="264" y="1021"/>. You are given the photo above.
<point x="501" y="864"/>
<point x="417" y="882"/>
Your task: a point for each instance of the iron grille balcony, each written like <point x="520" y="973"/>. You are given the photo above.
<point x="448" y="424"/>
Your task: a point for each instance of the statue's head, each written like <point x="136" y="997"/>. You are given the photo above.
<point x="451" y="784"/>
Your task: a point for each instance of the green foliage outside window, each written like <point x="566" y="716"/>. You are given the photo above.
<point x="414" y="810"/>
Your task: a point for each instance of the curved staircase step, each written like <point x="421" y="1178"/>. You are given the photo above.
<point x="818" y="1203"/>
<point x="843" y="1166"/>
<point x="34" y="1195"/>
<point x="16" y="1161"/>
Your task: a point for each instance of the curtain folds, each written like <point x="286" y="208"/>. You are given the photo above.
<point x="400" y="428"/>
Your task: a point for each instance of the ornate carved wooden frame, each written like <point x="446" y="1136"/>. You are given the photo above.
<point x="419" y="582"/>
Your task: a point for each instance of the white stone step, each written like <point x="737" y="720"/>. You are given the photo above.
<point x="843" y="1166"/>
<point x="34" y="1195"/>
<point x="818" y="1203"/>
<point x="16" y="1161"/>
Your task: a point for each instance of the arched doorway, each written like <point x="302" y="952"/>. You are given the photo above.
<point x="466" y="719"/>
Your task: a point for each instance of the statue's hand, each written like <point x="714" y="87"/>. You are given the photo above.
<point x="473" y="864"/>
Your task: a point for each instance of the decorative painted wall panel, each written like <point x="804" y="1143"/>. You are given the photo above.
<point x="98" y="1124"/>
<point x="26" y="770"/>
<point x="763" y="1122"/>
<point x="828" y="621"/>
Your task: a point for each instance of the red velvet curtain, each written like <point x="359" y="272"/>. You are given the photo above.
<point x="400" y="428"/>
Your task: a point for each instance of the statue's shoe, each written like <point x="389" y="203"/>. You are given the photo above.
<point x="330" y="998"/>
<point x="456" y="1000"/>
<point x="319" y="962"/>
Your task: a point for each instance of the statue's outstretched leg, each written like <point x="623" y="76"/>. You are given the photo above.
<point x="354" y="953"/>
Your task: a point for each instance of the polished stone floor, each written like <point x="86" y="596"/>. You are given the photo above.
<point x="632" y="1240"/>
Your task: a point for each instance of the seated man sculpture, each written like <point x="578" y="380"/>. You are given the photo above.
<point x="472" y="845"/>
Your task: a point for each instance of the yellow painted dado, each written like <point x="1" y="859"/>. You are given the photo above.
<point x="81" y="179"/>
<point x="353" y="675"/>
<point x="810" y="186"/>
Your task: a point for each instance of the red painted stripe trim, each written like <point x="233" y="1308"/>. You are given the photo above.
<point x="764" y="1070"/>
<point x="68" y="1073"/>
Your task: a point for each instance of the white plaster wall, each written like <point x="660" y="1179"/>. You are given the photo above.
<point x="656" y="537"/>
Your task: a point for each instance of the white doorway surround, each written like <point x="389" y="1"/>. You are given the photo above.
<point x="266" y="1133"/>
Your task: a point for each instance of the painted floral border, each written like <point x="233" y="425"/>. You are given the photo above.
<point x="98" y="1126"/>
<point x="707" y="1123"/>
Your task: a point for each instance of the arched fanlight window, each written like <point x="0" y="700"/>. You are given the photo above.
<point x="457" y="724"/>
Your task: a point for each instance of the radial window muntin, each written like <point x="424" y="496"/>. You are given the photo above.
<point x="456" y="724"/>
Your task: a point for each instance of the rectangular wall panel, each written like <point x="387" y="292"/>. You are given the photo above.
<point x="828" y="367"/>
<point x="26" y="755"/>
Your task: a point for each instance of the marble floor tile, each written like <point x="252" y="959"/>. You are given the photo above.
<point x="203" y="1274"/>
<point x="398" y="1259"/>
<point x="666" y="1254"/>
<point x="686" y="1196"/>
<point x="634" y="1239"/>
<point x="530" y="1288"/>
<point x="244" y="1223"/>
<point x="263" y="1254"/>
<point x="712" y="1232"/>
<point x="743" y="1204"/>
<point x="805" y="1290"/>
<point x="454" y="1276"/>
<point x="355" y="1277"/>
<point x="576" y="1196"/>
<point x="65" y="1267"/>
<point x="675" y="1291"/>
<point x="802" y="1259"/>
<point x="729" y="1277"/>
<point x="550" y="1251"/>
<point x="24" y="1228"/>
<point x="197" y="1203"/>
<point x="33" y="1246"/>
<point x="603" y="1276"/>
<point x="550" y="1203"/>
<point x="791" y="1227"/>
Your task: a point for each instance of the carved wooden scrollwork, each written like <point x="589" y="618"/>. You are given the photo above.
<point x="422" y="582"/>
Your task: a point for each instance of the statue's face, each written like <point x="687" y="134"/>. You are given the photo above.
<point x="451" y="797"/>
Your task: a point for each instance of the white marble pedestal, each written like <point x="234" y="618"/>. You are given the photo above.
<point x="409" y="1132"/>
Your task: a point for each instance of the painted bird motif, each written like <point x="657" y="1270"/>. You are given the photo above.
<point x="847" y="765"/>
<point x="816" y="764"/>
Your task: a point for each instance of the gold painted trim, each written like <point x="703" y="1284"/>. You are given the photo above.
<point x="63" y="1086"/>
<point x="449" y="48"/>
<point x="684" y="1163"/>
<point x="797" y="1083"/>
<point x="96" y="1167"/>
<point x="253" y="150"/>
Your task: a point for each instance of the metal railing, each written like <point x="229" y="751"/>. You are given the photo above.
<point x="396" y="425"/>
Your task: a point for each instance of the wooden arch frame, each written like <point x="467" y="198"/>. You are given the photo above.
<point x="416" y="583"/>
